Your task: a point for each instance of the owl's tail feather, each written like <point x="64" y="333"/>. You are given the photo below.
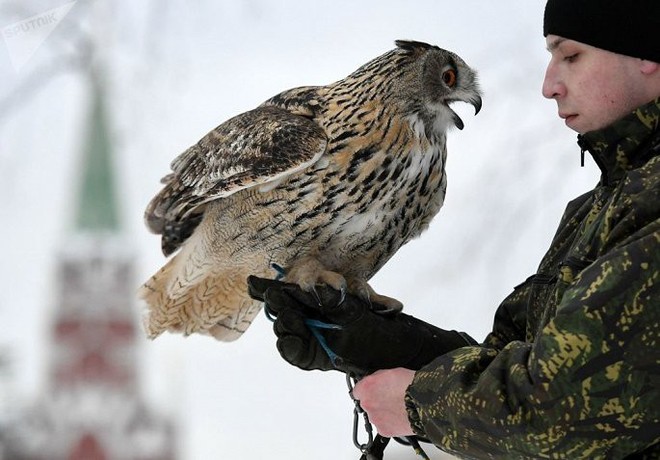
<point x="215" y="304"/>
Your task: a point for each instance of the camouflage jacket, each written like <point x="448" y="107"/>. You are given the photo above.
<point x="571" y="369"/>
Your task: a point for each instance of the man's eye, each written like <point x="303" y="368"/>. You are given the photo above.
<point x="571" y="58"/>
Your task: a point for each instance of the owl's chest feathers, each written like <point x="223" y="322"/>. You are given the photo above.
<point x="383" y="188"/>
<point x="392" y="194"/>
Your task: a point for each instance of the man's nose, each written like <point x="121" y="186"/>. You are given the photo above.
<point x="552" y="84"/>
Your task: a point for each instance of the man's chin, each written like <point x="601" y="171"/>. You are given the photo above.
<point x="576" y="123"/>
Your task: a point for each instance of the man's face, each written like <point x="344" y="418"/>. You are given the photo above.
<point x="592" y="87"/>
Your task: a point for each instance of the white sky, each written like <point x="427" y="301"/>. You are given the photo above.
<point x="177" y="69"/>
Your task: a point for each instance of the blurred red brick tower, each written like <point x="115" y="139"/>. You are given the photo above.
<point x="92" y="407"/>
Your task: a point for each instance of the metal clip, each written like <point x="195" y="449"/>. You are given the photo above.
<point x="357" y="410"/>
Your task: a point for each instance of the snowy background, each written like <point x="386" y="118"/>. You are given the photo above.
<point x="173" y="70"/>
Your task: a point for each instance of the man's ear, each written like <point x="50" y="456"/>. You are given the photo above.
<point x="649" y="67"/>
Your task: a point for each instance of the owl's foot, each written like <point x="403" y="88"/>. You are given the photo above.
<point x="309" y="272"/>
<point x="391" y="304"/>
<point x="379" y="303"/>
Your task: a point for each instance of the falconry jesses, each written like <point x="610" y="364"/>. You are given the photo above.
<point x="325" y="181"/>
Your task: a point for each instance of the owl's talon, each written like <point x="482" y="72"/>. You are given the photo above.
<point x="386" y="311"/>
<point x="380" y="304"/>
<point x="386" y="305"/>
<point x="342" y="292"/>
<point x="308" y="273"/>
<point x="317" y="296"/>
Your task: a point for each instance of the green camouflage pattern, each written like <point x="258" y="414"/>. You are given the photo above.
<point x="571" y="369"/>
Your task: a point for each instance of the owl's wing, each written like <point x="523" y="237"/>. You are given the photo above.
<point x="252" y="149"/>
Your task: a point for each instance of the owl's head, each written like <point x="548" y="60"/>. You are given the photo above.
<point x="427" y="79"/>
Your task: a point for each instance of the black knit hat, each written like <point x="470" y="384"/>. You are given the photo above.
<point x="630" y="27"/>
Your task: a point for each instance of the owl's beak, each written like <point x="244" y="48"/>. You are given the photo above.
<point x="457" y="120"/>
<point x="475" y="101"/>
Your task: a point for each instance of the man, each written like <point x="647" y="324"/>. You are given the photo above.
<point x="572" y="366"/>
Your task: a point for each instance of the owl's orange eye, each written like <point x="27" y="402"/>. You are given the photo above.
<point x="449" y="77"/>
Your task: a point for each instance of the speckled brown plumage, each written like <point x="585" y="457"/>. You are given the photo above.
<point x="328" y="182"/>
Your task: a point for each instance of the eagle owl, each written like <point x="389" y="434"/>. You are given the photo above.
<point x="327" y="182"/>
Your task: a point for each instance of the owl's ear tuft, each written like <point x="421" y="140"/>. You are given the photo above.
<point x="413" y="46"/>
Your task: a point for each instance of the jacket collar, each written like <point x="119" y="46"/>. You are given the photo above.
<point x="625" y="144"/>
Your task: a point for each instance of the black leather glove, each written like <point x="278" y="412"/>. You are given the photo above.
<point x="322" y="332"/>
